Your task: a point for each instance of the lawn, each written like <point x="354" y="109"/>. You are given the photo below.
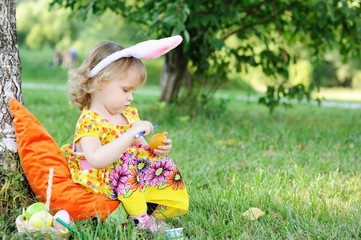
<point x="301" y="166"/>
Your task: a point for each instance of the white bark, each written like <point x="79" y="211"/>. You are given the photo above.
<point x="10" y="72"/>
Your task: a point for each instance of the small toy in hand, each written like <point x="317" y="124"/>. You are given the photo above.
<point x="156" y="140"/>
<point x="142" y="133"/>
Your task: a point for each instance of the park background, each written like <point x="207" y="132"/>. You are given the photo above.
<point x="300" y="165"/>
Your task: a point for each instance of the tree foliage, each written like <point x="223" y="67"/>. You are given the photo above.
<point x="223" y="36"/>
<point x="37" y="27"/>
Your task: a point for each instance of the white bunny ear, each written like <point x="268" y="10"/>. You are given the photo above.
<point x="144" y="50"/>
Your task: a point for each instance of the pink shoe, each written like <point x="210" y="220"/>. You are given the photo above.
<point x="162" y="226"/>
<point x="145" y="221"/>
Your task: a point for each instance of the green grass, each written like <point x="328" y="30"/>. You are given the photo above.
<point x="36" y="67"/>
<point x="301" y="166"/>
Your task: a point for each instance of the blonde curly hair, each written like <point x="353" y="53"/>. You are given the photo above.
<point x="80" y="86"/>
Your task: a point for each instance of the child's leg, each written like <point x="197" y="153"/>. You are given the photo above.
<point x="169" y="202"/>
<point x="136" y="207"/>
<point x="135" y="204"/>
<point x="166" y="189"/>
<point x="164" y="212"/>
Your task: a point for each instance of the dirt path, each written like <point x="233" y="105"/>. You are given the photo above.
<point x="152" y="92"/>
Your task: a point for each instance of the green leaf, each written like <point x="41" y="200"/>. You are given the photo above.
<point x="128" y="193"/>
<point x="162" y="186"/>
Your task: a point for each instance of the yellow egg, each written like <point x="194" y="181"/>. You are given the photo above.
<point x="156" y="140"/>
<point x="63" y="215"/>
<point x="37" y="219"/>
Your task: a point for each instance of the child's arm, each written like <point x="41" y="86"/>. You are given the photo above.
<point x="101" y="156"/>
<point x="140" y="140"/>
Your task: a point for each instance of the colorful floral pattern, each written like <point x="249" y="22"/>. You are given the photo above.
<point x="136" y="170"/>
<point x="158" y="172"/>
<point x="136" y="174"/>
<point x="119" y="179"/>
<point x="175" y="180"/>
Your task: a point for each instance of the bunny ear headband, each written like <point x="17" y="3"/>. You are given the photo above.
<point x="144" y="50"/>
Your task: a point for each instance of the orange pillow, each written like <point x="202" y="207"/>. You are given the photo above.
<point x="38" y="153"/>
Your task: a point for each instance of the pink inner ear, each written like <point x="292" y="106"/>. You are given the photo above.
<point x="164" y="46"/>
<point x="157" y="52"/>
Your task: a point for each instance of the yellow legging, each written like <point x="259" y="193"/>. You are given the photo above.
<point x="170" y="202"/>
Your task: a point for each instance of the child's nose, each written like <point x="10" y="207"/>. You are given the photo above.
<point x="130" y="97"/>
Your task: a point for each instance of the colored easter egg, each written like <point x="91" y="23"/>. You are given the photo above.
<point x="63" y="215"/>
<point x="34" y="208"/>
<point x="156" y="140"/>
<point x="38" y="218"/>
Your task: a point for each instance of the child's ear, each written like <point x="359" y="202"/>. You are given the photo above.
<point x="100" y="85"/>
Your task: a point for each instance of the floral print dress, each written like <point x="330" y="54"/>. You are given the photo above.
<point x="138" y="177"/>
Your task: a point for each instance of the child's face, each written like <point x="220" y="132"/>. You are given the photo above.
<point x="117" y="94"/>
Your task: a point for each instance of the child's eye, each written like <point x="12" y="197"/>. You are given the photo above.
<point x="125" y="90"/>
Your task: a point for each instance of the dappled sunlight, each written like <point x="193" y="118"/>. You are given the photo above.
<point x="340" y="94"/>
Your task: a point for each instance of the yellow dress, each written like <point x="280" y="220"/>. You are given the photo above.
<point x="138" y="177"/>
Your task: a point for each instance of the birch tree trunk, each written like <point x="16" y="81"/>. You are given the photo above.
<point x="10" y="73"/>
<point x="14" y="189"/>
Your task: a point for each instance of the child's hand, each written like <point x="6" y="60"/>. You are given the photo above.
<point x="164" y="149"/>
<point x="142" y="126"/>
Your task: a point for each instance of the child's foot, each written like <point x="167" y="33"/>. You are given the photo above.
<point x="162" y="225"/>
<point x="144" y="221"/>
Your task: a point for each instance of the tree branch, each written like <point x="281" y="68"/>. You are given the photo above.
<point x="275" y="12"/>
<point x="257" y="6"/>
<point x="246" y="27"/>
<point x="248" y="10"/>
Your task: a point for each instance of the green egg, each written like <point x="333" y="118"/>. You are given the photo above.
<point x="34" y="208"/>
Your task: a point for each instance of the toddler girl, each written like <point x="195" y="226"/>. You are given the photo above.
<point x="106" y="156"/>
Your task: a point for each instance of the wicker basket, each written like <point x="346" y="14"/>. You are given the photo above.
<point x="24" y="227"/>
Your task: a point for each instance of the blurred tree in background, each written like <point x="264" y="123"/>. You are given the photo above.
<point x="334" y="72"/>
<point x="40" y="27"/>
<point x="223" y="38"/>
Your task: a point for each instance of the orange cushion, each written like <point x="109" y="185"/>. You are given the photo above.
<point x="38" y="153"/>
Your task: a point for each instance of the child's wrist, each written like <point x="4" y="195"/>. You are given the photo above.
<point x="132" y="133"/>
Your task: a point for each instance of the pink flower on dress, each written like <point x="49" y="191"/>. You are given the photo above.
<point x="157" y="174"/>
<point x="118" y="179"/>
<point x="129" y="159"/>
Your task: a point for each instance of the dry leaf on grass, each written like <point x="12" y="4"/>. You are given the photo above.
<point x="253" y="213"/>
